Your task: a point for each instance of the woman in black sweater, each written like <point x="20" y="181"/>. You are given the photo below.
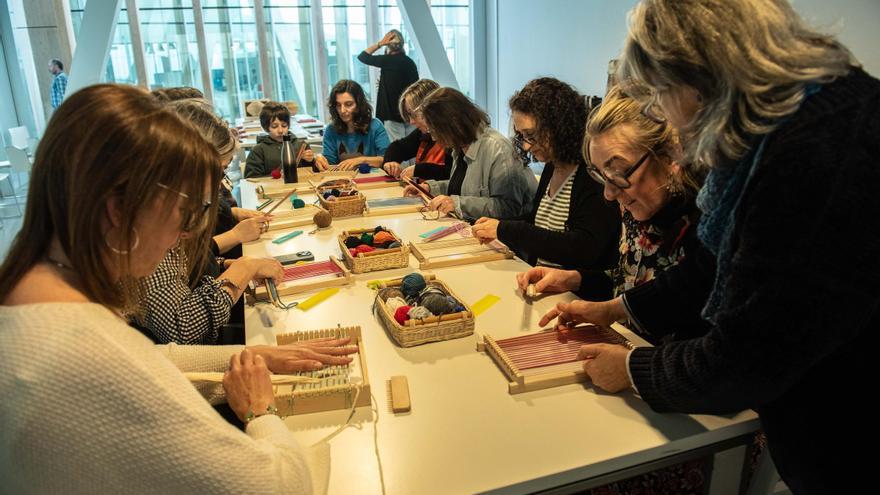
<point x="570" y="224"/>
<point x="787" y="206"/>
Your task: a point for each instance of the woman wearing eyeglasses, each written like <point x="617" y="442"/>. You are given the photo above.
<point x="635" y="158"/>
<point x="485" y="179"/>
<point x="788" y="124"/>
<point x="89" y="404"/>
<point x="570" y="224"/>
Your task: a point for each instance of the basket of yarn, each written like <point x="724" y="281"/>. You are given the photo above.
<point x="341" y="197"/>
<point x="417" y="309"/>
<point x="370" y="250"/>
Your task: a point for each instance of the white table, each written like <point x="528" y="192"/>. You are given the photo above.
<point x="465" y="433"/>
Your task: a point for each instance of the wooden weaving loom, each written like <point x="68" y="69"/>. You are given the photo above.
<point x="463" y="249"/>
<point x="330" y="273"/>
<point x="393" y="206"/>
<point x="297" y="217"/>
<point x="376" y="182"/>
<point x="547" y="358"/>
<point x="340" y="387"/>
<point x="276" y="188"/>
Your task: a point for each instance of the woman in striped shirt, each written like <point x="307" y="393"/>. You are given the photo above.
<point x="570" y="224"/>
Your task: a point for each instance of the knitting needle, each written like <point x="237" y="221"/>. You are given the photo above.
<point x="213" y="377"/>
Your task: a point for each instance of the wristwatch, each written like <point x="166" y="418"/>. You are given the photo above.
<point x="225" y="282"/>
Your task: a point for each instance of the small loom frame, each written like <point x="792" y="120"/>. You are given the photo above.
<point x="294" y="218"/>
<point x="519" y="382"/>
<point x="392" y="210"/>
<point x="422" y="252"/>
<point x="294" y="400"/>
<point x="261" y="293"/>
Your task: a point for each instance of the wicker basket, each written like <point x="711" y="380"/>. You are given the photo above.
<point x="433" y="329"/>
<point x="342" y="206"/>
<point x="380" y="259"/>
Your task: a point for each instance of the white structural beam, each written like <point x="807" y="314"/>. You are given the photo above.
<point x="93" y="45"/>
<point x="204" y="63"/>
<point x="137" y="43"/>
<point x="479" y="34"/>
<point x="263" y="47"/>
<point x="319" y="48"/>
<point x="417" y="18"/>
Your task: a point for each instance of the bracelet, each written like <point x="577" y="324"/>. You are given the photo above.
<point x="224" y="282"/>
<point x="250" y="416"/>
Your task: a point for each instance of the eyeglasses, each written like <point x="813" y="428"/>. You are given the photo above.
<point x="428" y="214"/>
<point x="619" y="180"/>
<point x="192" y="221"/>
<point x="521" y="138"/>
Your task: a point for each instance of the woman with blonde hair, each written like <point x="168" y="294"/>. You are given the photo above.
<point x="788" y="125"/>
<point x="117" y="180"/>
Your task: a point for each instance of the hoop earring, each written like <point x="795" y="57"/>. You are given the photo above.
<point x="137" y="241"/>
<point x="674" y="186"/>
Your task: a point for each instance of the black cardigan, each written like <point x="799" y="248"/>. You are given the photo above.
<point x="591" y="236"/>
<point x="397" y="72"/>
<point x="407" y="148"/>
<point x="794" y="335"/>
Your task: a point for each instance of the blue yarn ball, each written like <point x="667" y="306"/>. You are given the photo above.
<point x="335" y="192"/>
<point x="326" y="194"/>
<point x="456" y="306"/>
<point x="393" y="244"/>
<point x="298" y="203"/>
<point x="412" y="284"/>
<point x="364" y="168"/>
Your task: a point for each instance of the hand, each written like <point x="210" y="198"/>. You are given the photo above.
<point x="606" y="366"/>
<point x="350" y="164"/>
<point x="598" y="313"/>
<point x="241" y="214"/>
<point x="321" y="163"/>
<point x="386" y="40"/>
<point x="306" y="356"/>
<point x="308" y="155"/>
<point x="411" y="190"/>
<point x="392" y="169"/>
<point x="407" y="173"/>
<point x="549" y="279"/>
<point x="263" y="268"/>
<point x="443" y="203"/>
<point x="247" y="384"/>
<point x="251" y="228"/>
<point x="486" y="230"/>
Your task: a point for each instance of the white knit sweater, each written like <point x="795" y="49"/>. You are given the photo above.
<point x="89" y="405"/>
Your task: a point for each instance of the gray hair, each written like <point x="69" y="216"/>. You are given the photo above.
<point x="750" y="61"/>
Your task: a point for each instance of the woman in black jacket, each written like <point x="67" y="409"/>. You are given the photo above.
<point x="570" y="225"/>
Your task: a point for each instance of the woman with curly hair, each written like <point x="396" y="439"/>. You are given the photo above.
<point x="570" y="224"/>
<point x="353" y="135"/>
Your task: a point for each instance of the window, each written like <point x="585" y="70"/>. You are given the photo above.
<point x="453" y="22"/>
<point x="289" y="27"/>
<point x="120" y="63"/>
<point x="345" y="35"/>
<point x="171" y="53"/>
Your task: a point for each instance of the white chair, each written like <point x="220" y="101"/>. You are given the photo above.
<point x="19" y="162"/>
<point x="19" y="137"/>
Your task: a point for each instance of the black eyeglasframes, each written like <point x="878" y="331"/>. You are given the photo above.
<point x="619" y="180"/>
<point x="192" y="220"/>
<point x="521" y="138"/>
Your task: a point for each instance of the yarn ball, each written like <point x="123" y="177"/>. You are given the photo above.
<point x="364" y="248"/>
<point x="326" y="194"/>
<point x="352" y="242"/>
<point x="323" y="219"/>
<point x="386" y="245"/>
<point x="364" y="168"/>
<point x="276" y="173"/>
<point x="331" y="199"/>
<point x="298" y="203"/>
<point x="382" y="238"/>
<point x="437" y="304"/>
<point x="394" y="244"/>
<point x="367" y="238"/>
<point x="431" y="289"/>
<point x="456" y="306"/>
<point x="412" y="284"/>
<point x="353" y="252"/>
<point x="379" y="229"/>
<point x="335" y="192"/>
<point x="419" y="313"/>
<point x="394" y="302"/>
<point x="402" y="314"/>
<point x="389" y="292"/>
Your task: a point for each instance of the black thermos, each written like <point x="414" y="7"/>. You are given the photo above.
<point x="288" y="158"/>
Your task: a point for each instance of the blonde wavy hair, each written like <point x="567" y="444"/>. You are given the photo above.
<point x="661" y="139"/>
<point x="750" y="61"/>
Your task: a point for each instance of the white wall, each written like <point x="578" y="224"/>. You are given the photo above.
<point x="573" y="40"/>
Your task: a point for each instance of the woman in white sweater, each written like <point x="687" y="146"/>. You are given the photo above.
<point x="89" y="404"/>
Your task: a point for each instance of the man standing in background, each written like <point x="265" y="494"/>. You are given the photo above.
<point x="397" y="71"/>
<point x="59" y="83"/>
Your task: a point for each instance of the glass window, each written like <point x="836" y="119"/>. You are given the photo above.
<point x="390" y="18"/>
<point x="171" y="53"/>
<point x="289" y="27"/>
<point x="231" y="38"/>
<point x="453" y="22"/>
<point x="120" y="63"/>
<point x="345" y="34"/>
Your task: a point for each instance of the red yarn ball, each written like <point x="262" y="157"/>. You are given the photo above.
<point x="353" y="251"/>
<point x="402" y="314"/>
<point x="276" y="173"/>
<point x="364" y="248"/>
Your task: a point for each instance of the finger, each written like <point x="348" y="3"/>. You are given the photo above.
<point x="589" y="351"/>
<point x="260" y="363"/>
<point x="292" y="365"/>
<point x="333" y="360"/>
<point x="481" y="220"/>
<point x="547" y="318"/>
<point x="543" y="284"/>
<point x="247" y="357"/>
<point x="336" y="351"/>
<point x="327" y="341"/>
<point x="235" y="362"/>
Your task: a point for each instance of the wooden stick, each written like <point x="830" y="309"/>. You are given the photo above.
<point x="210" y="377"/>
<point x="289" y="193"/>
<point x="436" y="319"/>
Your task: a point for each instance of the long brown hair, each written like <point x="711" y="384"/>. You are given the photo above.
<point x="454" y="120"/>
<point x="363" y="114"/>
<point x="107" y="142"/>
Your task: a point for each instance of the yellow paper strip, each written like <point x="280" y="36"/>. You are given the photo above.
<point x="317" y="298"/>
<point x="485" y="303"/>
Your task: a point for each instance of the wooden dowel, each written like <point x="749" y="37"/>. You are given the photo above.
<point x="213" y="377"/>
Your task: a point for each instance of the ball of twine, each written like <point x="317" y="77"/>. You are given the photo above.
<point x="323" y="219"/>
